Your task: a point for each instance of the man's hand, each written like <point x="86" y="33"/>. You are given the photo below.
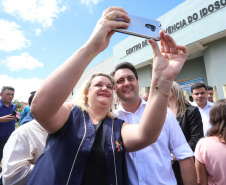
<point x="172" y="159"/>
<point x="169" y="60"/>
<point x="7" y="118"/>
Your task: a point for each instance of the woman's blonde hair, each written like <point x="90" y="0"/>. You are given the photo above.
<point x="181" y="101"/>
<point x="81" y="99"/>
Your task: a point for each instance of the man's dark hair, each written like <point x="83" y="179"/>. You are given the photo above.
<point x="125" y="65"/>
<point x="7" y="88"/>
<point x="33" y="92"/>
<point x="197" y="86"/>
<point x="30" y="99"/>
<point x="209" y="88"/>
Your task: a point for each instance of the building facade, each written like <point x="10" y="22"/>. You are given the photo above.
<point x="200" y="26"/>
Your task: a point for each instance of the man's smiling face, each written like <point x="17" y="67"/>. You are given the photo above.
<point x="126" y="85"/>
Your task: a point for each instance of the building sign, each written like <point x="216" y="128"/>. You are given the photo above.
<point x="186" y="85"/>
<point x="211" y="8"/>
<point x="193" y="17"/>
<point x="137" y="47"/>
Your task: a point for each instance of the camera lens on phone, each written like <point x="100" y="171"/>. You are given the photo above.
<point x="152" y="27"/>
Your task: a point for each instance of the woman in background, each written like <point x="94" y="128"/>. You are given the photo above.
<point x="189" y="119"/>
<point x="210" y="152"/>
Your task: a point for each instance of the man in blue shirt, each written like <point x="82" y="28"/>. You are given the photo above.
<point x="25" y="111"/>
<point x="7" y="121"/>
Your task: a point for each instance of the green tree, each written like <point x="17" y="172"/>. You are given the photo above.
<point x="17" y="103"/>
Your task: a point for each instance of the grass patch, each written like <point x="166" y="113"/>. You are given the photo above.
<point x="16" y="125"/>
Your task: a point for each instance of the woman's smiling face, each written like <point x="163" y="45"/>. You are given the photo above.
<point x="100" y="91"/>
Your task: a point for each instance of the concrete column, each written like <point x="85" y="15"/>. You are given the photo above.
<point x="224" y="90"/>
<point x="215" y="94"/>
<point x="144" y="90"/>
<point x="215" y="64"/>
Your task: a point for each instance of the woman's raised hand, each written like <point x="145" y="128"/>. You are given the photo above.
<point x="169" y="60"/>
<point x="102" y="33"/>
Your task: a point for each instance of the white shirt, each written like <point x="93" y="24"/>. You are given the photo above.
<point x="152" y="165"/>
<point x="21" y="151"/>
<point x="205" y="115"/>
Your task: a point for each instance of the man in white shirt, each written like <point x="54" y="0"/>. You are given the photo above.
<point x="21" y="152"/>
<point x="144" y="96"/>
<point x="151" y="165"/>
<point x="210" y="94"/>
<point x="199" y="95"/>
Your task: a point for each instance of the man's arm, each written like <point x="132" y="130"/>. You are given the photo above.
<point x="16" y="165"/>
<point x="181" y="150"/>
<point x="7" y="118"/>
<point x="188" y="173"/>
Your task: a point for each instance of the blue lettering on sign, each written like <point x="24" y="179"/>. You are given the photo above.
<point x="137" y="47"/>
<point x="196" y="16"/>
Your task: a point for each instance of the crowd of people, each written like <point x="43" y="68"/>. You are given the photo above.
<point x="156" y="138"/>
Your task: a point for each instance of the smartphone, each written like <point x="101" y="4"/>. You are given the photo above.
<point x="14" y="113"/>
<point x="141" y="27"/>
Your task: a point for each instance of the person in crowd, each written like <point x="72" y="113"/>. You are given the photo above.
<point x="188" y="116"/>
<point x="199" y="95"/>
<point x="152" y="165"/>
<point x="7" y="120"/>
<point x="210" y="94"/>
<point x="26" y="109"/>
<point x="21" y="152"/>
<point x="87" y="143"/>
<point x="210" y="152"/>
<point x="28" y="116"/>
<point x="144" y="96"/>
<point x="189" y="119"/>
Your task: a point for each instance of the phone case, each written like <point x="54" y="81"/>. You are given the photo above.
<point x="141" y="27"/>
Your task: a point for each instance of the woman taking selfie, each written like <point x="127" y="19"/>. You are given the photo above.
<point x="189" y="119"/>
<point x="210" y="152"/>
<point x="87" y="143"/>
